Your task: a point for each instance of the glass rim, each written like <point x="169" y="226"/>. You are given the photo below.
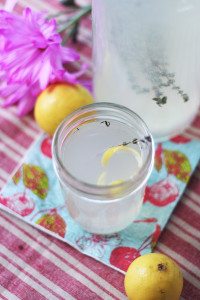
<point x="102" y="191"/>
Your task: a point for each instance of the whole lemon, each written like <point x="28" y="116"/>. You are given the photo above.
<point x="56" y="102"/>
<point x="153" y="277"/>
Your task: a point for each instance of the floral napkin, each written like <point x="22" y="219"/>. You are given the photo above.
<point x="34" y="195"/>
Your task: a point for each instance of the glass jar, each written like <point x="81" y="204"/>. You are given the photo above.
<point x="102" y="209"/>
<point x="146" y="57"/>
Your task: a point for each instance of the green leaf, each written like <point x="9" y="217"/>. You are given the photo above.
<point x="53" y="222"/>
<point x="16" y="177"/>
<point x="36" y="180"/>
<point x="177" y="164"/>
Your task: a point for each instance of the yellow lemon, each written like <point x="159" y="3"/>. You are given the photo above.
<point x="56" y="102"/>
<point x="153" y="277"/>
<point x="115" y="149"/>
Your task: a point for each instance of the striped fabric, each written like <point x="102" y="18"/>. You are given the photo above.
<point x="36" y="266"/>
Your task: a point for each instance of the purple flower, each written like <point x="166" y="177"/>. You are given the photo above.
<point x="31" y="57"/>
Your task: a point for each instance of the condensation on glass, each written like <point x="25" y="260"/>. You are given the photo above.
<point x="146" y="57"/>
<point x="100" y="206"/>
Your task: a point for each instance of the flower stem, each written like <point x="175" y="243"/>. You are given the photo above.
<point x="83" y="12"/>
<point x="62" y="13"/>
<point x="72" y="34"/>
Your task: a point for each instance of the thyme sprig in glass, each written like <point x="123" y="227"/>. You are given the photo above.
<point x="134" y="141"/>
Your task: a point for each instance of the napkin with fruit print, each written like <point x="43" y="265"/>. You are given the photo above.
<point x="34" y="195"/>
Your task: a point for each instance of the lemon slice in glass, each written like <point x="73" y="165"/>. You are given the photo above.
<point x="113" y="150"/>
<point x="117" y="182"/>
<point x="102" y="179"/>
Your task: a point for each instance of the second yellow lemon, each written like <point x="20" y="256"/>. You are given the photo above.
<point x="153" y="276"/>
<point x="56" y="102"/>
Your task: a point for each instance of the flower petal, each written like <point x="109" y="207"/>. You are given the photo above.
<point x="69" y="54"/>
<point x="10" y="4"/>
<point x="45" y="73"/>
<point x="31" y="57"/>
<point x="26" y="105"/>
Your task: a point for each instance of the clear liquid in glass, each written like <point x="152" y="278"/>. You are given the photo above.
<point x="84" y="148"/>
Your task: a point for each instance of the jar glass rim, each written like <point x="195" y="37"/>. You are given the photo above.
<point x="101" y="191"/>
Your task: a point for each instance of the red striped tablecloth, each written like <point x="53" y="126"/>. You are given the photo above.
<point x="36" y="266"/>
